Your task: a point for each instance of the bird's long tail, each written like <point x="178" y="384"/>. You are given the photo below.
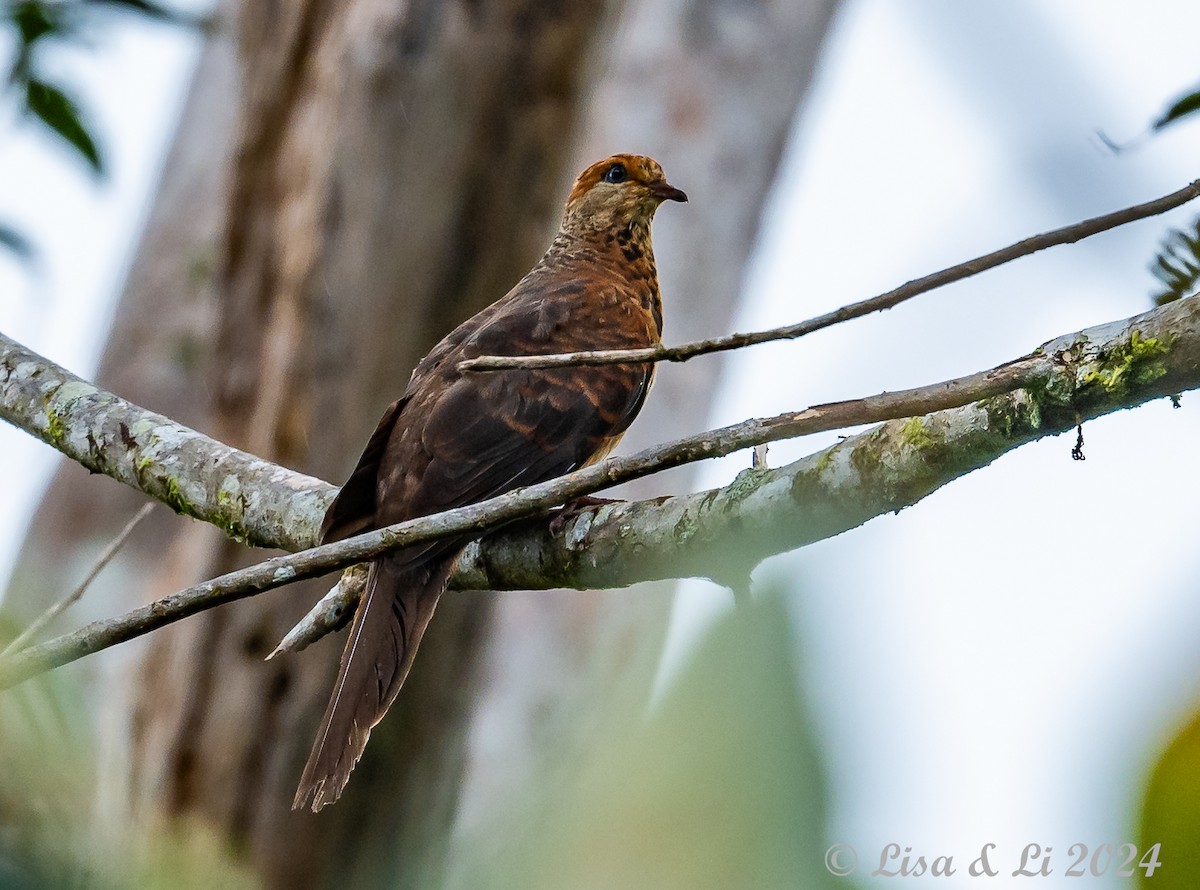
<point x="391" y="619"/>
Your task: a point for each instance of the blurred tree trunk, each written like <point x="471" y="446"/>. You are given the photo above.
<point x="397" y="168"/>
<point x="155" y="355"/>
<point x="711" y="90"/>
<point x="361" y="177"/>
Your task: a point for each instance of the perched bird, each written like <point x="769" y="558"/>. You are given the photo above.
<point x="458" y="437"/>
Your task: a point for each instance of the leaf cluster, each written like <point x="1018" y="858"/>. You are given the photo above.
<point x="1177" y="264"/>
<point x="37" y="24"/>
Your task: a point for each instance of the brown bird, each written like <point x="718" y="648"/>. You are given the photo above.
<point x="455" y="438"/>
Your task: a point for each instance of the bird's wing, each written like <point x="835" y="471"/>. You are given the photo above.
<point x="472" y="439"/>
<point x="453" y="440"/>
<point x="490" y="434"/>
<point x="353" y="510"/>
<point x="476" y="435"/>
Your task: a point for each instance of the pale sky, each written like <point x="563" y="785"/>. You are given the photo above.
<point x="130" y="82"/>
<point x="998" y="662"/>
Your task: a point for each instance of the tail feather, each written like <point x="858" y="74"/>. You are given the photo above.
<point x="388" y="625"/>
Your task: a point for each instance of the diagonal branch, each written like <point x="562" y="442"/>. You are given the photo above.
<point x="1065" y="235"/>
<point x="250" y="499"/>
<point x="1080" y="375"/>
<point x="21" y="640"/>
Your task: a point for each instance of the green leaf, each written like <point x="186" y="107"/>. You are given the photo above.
<point x="34" y="21"/>
<point x="1171" y="812"/>
<point x="54" y="108"/>
<point x="1177" y="265"/>
<point x="1186" y="105"/>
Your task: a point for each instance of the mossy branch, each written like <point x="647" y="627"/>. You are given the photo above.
<point x="250" y="499"/>
<point x="960" y="425"/>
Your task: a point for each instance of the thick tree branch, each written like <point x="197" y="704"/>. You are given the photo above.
<point x="1066" y="235"/>
<point x="251" y="499"/>
<point x="1080" y="375"/>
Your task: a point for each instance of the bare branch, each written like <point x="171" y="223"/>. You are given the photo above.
<point x="114" y="547"/>
<point x="1085" y="374"/>
<point x="331" y="612"/>
<point x="1066" y="235"/>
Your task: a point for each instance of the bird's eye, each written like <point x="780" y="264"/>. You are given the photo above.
<point x="616" y="173"/>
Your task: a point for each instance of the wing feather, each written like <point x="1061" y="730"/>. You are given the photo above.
<point x="455" y="439"/>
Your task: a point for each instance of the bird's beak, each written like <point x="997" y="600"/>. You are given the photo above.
<point x="664" y="191"/>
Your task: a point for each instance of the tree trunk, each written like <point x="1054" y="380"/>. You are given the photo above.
<point x="397" y="168"/>
<point x="392" y="169"/>
<point x="711" y="90"/>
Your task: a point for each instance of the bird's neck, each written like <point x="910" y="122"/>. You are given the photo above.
<point x="622" y="255"/>
<point x="625" y="248"/>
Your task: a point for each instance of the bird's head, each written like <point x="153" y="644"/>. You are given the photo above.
<point x="617" y="191"/>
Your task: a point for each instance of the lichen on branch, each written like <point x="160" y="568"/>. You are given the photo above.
<point x="250" y="499"/>
<point x="933" y="435"/>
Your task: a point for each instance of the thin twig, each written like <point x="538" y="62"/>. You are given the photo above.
<point x="332" y="611"/>
<point x="484" y="515"/>
<point x="1066" y="235"/>
<point x="1075" y="366"/>
<point x="35" y="626"/>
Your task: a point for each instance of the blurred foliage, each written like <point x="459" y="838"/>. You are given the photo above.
<point x="1187" y="104"/>
<point x="719" y="786"/>
<point x="44" y="780"/>
<point x="1177" y="265"/>
<point x="56" y="110"/>
<point x="36" y="24"/>
<point x="1171" y="813"/>
<point x="53" y="831"/>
